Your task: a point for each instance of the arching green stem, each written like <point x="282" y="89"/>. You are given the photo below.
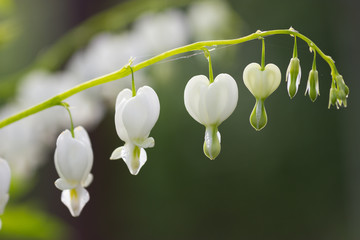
<point x="208" y="57"/>
<point x="263" y="55"/>
<point x="295" y="54"/>
<point x="125" y="71"/>
<point x="67" y="107"/>
<point x="132" y="82"/>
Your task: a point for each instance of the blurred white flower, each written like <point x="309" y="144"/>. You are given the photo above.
<point x="5" y="176"/>
<point x="73" y="161"/>
<point x="157" y="32"/>
<point x="135" y="116"/>
<point x="209" y="19"/>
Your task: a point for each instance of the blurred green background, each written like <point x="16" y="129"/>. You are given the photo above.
<point x="296" y="179"/>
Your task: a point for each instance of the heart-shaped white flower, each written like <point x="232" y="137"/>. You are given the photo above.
<point x="135" y="116"/>
<point x="210" y="104"/>
<point x="73" y="162"/>
<point x="261" y="83"/>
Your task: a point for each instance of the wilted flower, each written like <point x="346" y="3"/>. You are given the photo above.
<point x="73" y="162"/>
<point x="5" y="176"/>
<point x="261" y="83"/>
<point x="135" y="116"/>
<point x="210" y="104"/>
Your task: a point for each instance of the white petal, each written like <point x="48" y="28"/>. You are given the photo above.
<point x="261" y="83"/>
<point x="194" y="91"/>
<point x="117" y="153"/>
<point x="82" y="135"/>
<point x="221" y="99"/>
<point x="3" y="201"/>
<point x="62" y="184"/>
<point x="5" y="177"/>
<point x="147" y="143"/>
<point x="88" y="180"/>
<point x="121" y="100"/>
<point x="75" y="200"/>
<point x="134" y="157"/>
<point x="73" y="159"/>
<point x="141" y="113"/>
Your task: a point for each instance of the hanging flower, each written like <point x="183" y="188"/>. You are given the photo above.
<point x="312" y="87"/>
<point x="73" y="162"/>
<point x="210" y="104"/>
<point x="135" y="116"/>
<point x="5" y="176"/>
<point x="261" y="83"/>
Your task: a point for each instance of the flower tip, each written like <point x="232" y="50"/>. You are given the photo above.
<point x="75" y="200"/>
<point x="212" y="146"/>
<point x="258" y="117"/>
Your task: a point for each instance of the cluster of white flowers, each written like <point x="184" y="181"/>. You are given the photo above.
<point x="151" y="34"/>
<point x="135" y="115"/>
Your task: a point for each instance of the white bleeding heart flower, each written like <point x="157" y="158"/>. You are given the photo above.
<point x="210" y="104"/>
<point x="261" y="83"/>
<point x="73" y="162"/>
<point x="5" y="176"/>
<point x="293" y="76"/>
<point x="135" y="116"/>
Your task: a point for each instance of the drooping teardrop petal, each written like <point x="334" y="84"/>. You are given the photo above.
<point x="192" y="97"/>
<point x="212" y="142"/>
<point x="121" y="100"/>
<point x="73" y="158"/>
<point x="75" y="200"/>
<point x="134" y="157"/>
<point x="5" y="177"/>
<point x="258" y="117"/>
<point x="221" y="99"/>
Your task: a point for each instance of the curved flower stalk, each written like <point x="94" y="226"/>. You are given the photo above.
<point x="5" y="176"/>
<point x="135" y="116"/>
<point x="73" y="162"/>
<point x="210" y="104"/>
<point x="261" y="83"/>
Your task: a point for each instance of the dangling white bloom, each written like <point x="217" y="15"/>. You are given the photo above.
<point x="210" y="104"/>
<point x="135" y="116"/>
<point x="73" y="162"/>
<point x="261" y="83"/>
<point x="5" y="176"/>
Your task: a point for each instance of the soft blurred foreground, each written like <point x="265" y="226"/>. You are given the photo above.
<point x="296" y="179"/>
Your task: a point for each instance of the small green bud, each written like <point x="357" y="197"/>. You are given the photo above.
<point x="258" y="117"/>
<point x="293" y="75"/>
<point x="332" y="97"/>
<point x="313" y="85"/>
<point x="212" y="141"/>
